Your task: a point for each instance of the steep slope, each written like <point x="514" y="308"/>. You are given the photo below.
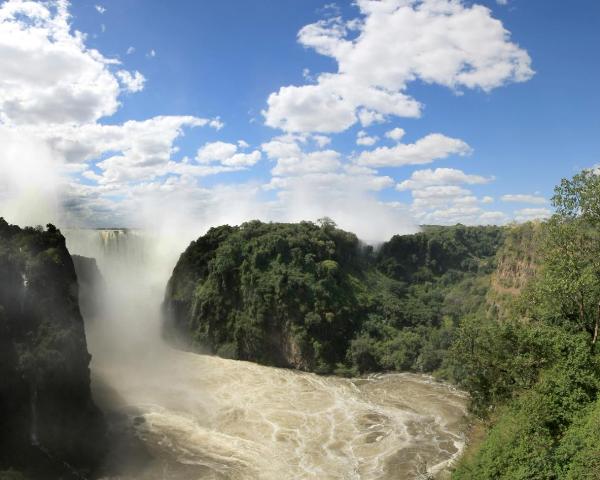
<point x="517" y="262"/>
<point x="50" y="424"/>
<point x="280" y="294"/>
<point x="313" y="297"/>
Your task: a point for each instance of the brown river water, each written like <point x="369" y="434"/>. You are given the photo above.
<point x="185" y="416"/>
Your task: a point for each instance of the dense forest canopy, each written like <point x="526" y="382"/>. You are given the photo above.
<point x="312" y="296"/>
<point x="534" y="375"/>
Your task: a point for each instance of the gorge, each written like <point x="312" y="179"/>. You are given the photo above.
<point x="201" y="416"/>
<point x="295" y="350"/>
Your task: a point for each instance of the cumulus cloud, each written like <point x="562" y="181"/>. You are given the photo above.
<point x="425" y="150"/>
<point x="47" y="74"/>
<point x="395" y="134"/>
<point x="528" y="214"/>
<point x="56" y="94"/>
<point x="364" y="139"/>
<point x="291" y="159"/>
<point x="441" y="176"/>
<point x="227" y="154"/>
<point x="100" y="9"/>
<point x="439" y="197"/>
<point x="391" y="44"/>
<point x="131" y="82"/>
<point x="524" y="198"/>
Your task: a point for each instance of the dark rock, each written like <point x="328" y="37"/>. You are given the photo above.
<point x="48" y="419"/>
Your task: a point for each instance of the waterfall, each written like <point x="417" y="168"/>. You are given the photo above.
<point x="24" y="291"/>
<point x="208" y="417"/>
<point x="33" y="433"/>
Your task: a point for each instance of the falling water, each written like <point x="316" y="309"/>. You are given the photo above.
<point x="203" y="417"/>
<point x="33" y="434"/>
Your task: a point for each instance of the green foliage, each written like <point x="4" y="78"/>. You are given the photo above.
<point x="313" y="297"/>
<point x="283" y="294"/>
<point x="43" y="355"/>
<point x="538" y="373"/>
<point x="529" y="439"/>
<point x="11" y="474"/>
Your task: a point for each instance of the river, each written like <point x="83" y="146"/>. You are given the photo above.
<point x="193" y="416"/>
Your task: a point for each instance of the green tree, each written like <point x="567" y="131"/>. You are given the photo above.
<point x="568" y="288"/>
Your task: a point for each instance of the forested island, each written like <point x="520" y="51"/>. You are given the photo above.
<point x="510" y="314"/>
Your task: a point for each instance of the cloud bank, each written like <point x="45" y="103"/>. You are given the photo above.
<point x="66" y="160"/>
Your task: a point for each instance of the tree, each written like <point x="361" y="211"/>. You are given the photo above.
<point x="568" y="289"/>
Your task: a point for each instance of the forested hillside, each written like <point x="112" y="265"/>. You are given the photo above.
<point x="313" y="297"/>
<point x="533" y="370"/>
<point x="49" y="425"/>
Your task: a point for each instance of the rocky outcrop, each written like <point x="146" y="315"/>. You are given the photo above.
<point x="91" y="286"/>
<point x="517" y="263"/>
<point x="50" y="427"/>
<point x="279" y="294"/>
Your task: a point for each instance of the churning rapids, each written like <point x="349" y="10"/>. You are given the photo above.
<point x="203" y="417"/>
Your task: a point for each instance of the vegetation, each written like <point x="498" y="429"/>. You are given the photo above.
<point x="313" y="297"/>
<point x="512" y="315"/>
<point x="536" y="376"/>
<point x="46" y="411"/>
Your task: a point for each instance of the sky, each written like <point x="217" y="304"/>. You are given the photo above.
<point x="381" y="114"/>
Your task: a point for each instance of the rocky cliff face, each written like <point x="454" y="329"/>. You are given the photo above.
<point x="91" y="286"/>
<point x="517" y="263"/>
<point x="50" y="427"/>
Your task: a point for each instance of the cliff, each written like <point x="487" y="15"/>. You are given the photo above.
<point x="50" y="425"/>
<point x="313" y="297"/>
<point x="280" y="294"/>
<point x="91" y="286"/>
<point x="517" y="260"/>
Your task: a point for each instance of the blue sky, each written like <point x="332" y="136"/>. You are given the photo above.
<point x="525" y="128"/>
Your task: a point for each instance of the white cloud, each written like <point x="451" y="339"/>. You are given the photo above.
<point x="216" y="152"/>
<point x="132" y="83"/>
<point x="130" y="50"/>
<point x="216" y="123"/>
<point x="363" y="138"/>
<point x="55" y="93"/>
<point x="151" y="53"/>
<point x="524" y="198"/>
<point x="47" y="74"/>
<point x="487" y="199"/>
<point x="528" y="214"/>
<point x="441" y="176"/>
<point x="227" y="154"/>
<point x="100" y="9"/>
<point x="465" y="215"/>
<point x="346" y="197"/>
<point x="502" y="2"/>
<point x="369" y="117"/>
<point x="395" y="134"/>
<point x="393" y="43"/>
<point x="321" y="140"/>
<point x="425" y="150"/>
